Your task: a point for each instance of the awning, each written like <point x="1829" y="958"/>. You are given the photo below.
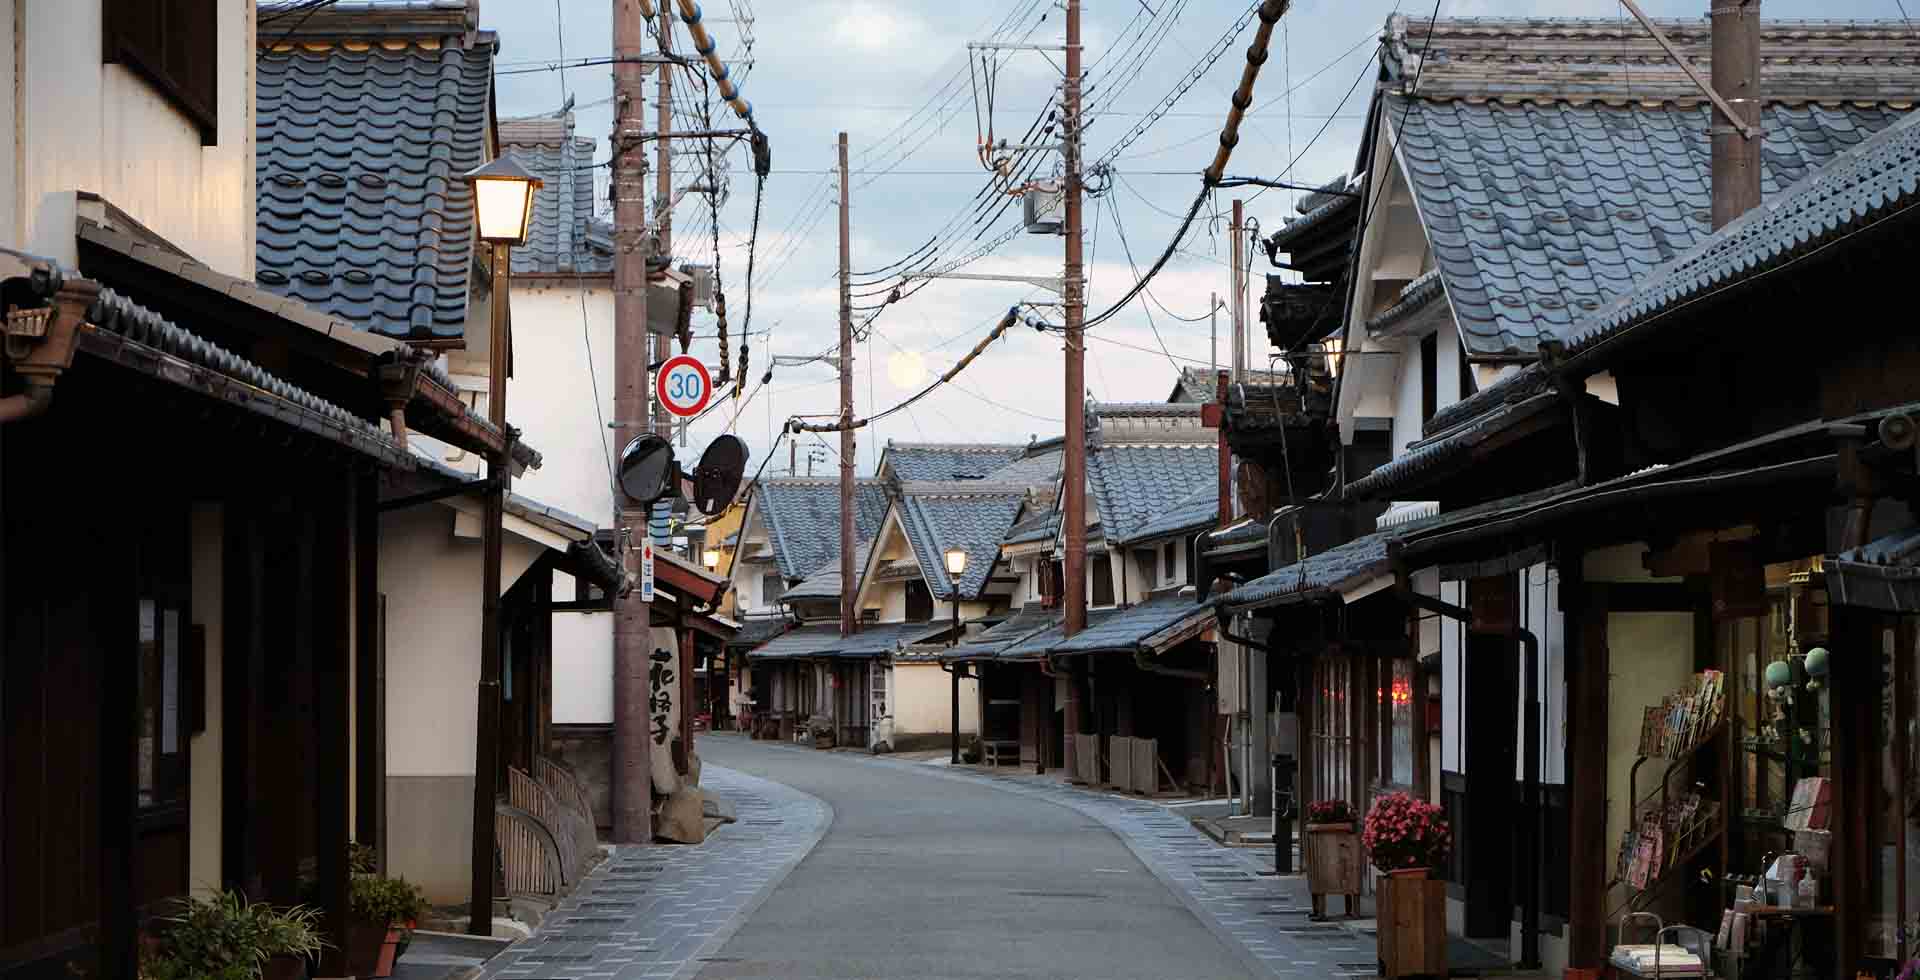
<point x="1325" y="576"/>
<point x="1154" y="626"/>
<point x="1027" y="621"/>
<point x="816" y="641"/>
<point x="757" y="630"/>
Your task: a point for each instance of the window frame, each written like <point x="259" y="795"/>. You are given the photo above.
<point x="173" y="20"/>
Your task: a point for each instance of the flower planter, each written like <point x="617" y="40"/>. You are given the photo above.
<point x="1411" y="907"/>
<point x="1334" y="864"/>
<point x="389" y="951"/>
<point x="284" y="967"/>
<point x="366" y="941"/>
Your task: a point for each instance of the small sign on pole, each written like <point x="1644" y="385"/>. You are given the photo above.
<point x="646" y="570"/>
<point x="683" y="385"/>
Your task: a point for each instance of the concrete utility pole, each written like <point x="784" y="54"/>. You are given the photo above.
<point x="1239" y="291"/>
<point x="1213" y="333"/>
<point x="632" y="633"/>
<point x="1073" y="507"/>
<point x="848" y="622"/>
<point x="1736" y="76"/>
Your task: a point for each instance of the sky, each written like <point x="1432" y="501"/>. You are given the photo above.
<point x="895" y="76"/>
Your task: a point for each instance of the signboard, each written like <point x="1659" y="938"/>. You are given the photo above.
<point x="646" y="570"/>
<point x="683" y="385"/>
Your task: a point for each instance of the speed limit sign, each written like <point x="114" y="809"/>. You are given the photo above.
<point x="683" y="385"/>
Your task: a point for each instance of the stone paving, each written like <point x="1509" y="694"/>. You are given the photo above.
<point x="661" y="912"/>
<point x="1231" y="890"/>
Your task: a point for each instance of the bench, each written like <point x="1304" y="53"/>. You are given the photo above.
<point x="997" y="750"/>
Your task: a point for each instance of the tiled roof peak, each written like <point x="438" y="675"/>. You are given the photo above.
<point x="1586" y="59"/>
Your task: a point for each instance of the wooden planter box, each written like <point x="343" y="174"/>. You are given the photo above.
<point x="1412" y="913"/>
<point x="1334" y="865"/>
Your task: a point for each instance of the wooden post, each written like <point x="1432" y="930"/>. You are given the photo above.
<point x="370" y="770"/>
<point x="1736" y="76"/>
<point x="332" y="652"/>
<point x="632" y="780"/>
<point x="849" y="620"/>
<point x="1073" y="490"/>
<point x="1585" y="630"/>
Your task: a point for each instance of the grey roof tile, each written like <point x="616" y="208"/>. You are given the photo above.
<point x="1402" y="471"/>
<point x="361" y="209"/>
<point x="757" y="630"/>
<point x="824" y="583"/>
<point x="561" y="240"/>
<point x="1037" y="527"/>
<point x="824" y="640"/>
<point x="946" y="461"/>
<point x="1538" y="214"/>
<point x="1194" y="512"/>
<point x="1132" y="483"/>
<point x="1146" y="626"/>
<point x="1033" y="469"/>
<point x="1026" y="621"/>
<point x="1876" y="179"/>
<point x="1327" y="572"/>
<point x="937" y="520"/>
<point x="803" y="521"/>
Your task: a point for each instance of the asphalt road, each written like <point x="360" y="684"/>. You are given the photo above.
<point x="921" y="876"/>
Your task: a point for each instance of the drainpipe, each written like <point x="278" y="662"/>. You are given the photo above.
<point x="1530" y="787"/>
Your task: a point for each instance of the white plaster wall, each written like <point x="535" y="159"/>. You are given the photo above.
<point x="923" y="701"/>
<point x="84" y="125"/>
<point x="432" y="583"/>
<point x="1649" y="656"/>
<point x="204" y="757"/>
<point x="551" y="395"/>
<point x="1540" y="613"/>
<point x="583" y="668"/>
<point x="1453" y="648"/>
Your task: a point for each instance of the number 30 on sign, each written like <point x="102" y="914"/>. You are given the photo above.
<point x="683" y="385"/>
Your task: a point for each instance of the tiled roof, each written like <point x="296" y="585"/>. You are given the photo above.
<point x="565" y="237"/>
<point x="939" y="518"/>
<point x="1583" y="59"/>
<point x="1538" y="214"/>
<point x="1414" y="297"/>
<point x="1151" y="626"/>
<point x="759" y="629"/>
<point x="1133" y="483"/>
<point x="1435" y="451"/>
<point x="1036" y="527"/>
<point x="946" y="461"/>
<point x="1326" y="206"/>
<point x="1879" y="178"/>
<point x="1246" y="532"/>
<point x="824" y="583"/>
<point x="1033" y="469"/>
<point x="1025" y="621"/>
<point x="1195" y="511"/>
<point x="1327" y="572"/>
<point x="824" y="640"/>
<point x="1196" y="384"/>
<point x="361" y="209"/>
<point x="1517" y="385"/>
<point x="803" y="521"/>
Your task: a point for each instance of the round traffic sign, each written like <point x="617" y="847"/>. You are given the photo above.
<point x="683" y="385"/>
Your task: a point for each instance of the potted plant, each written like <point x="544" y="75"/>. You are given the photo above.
<point x="382" y="909"/>
<point x="228" y="938"/>
<point x="1406" y="838"/>
<point x="1332" y="856"/>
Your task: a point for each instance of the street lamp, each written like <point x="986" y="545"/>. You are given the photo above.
<point x="710" y="558"/>
<point x="956" y="567"/>
<point x="503" y="212"/>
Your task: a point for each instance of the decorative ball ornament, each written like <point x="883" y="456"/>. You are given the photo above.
<point x="1817" y="668"/>
<point x="1779" y="676"/>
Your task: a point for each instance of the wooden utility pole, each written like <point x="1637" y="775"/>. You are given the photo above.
<point x="663" y="194"/>
<point x="632" y="632"/>
<point x="848" y="622"/>
<point x="1239" y="254"/>
<point x="1073" y="508"/>
<point x="1736" y="76"/>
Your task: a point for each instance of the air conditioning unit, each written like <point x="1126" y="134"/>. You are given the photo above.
<point x="1045" y="211"/>
<point x="702" y="277"/>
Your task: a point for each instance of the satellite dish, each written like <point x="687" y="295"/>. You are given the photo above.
<point x="647" y="469"/>
<point x="717" y="479"/>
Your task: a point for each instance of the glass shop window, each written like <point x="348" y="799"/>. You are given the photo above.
<point x="159" y="721"/>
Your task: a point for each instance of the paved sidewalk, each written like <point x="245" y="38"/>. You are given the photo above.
<point x="657" y="912"/>
<point x="1231" y="890"/>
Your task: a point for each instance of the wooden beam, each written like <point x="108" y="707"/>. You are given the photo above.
<point x="332" y="652"/>
<point x="369" y="747"/>
<point x="1585" y="630"/>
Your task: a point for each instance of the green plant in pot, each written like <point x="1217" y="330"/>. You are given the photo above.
<point x="382" y="910"/>
<point x="227" y="937"/>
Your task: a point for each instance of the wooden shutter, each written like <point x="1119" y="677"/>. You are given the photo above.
<point x="173" y="44"/>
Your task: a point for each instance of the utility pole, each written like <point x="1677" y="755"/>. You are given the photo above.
<point x="1239" y="291"/>
<point x="1213" y="333"/>
<point x="1736" y="76"/>
<point x="847" y="619"/>
<point x="1074" y="478"/>
<point x="632" y="626"/>
<point x="663" y="193"/>
<point x="793" y="463"/>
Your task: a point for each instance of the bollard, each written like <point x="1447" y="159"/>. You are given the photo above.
<point x="1284" y="813"/>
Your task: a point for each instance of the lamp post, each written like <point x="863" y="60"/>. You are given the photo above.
<point x="956" y="567"/>
<point x="503" y="209"/>
<point x="711" y="559"/>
